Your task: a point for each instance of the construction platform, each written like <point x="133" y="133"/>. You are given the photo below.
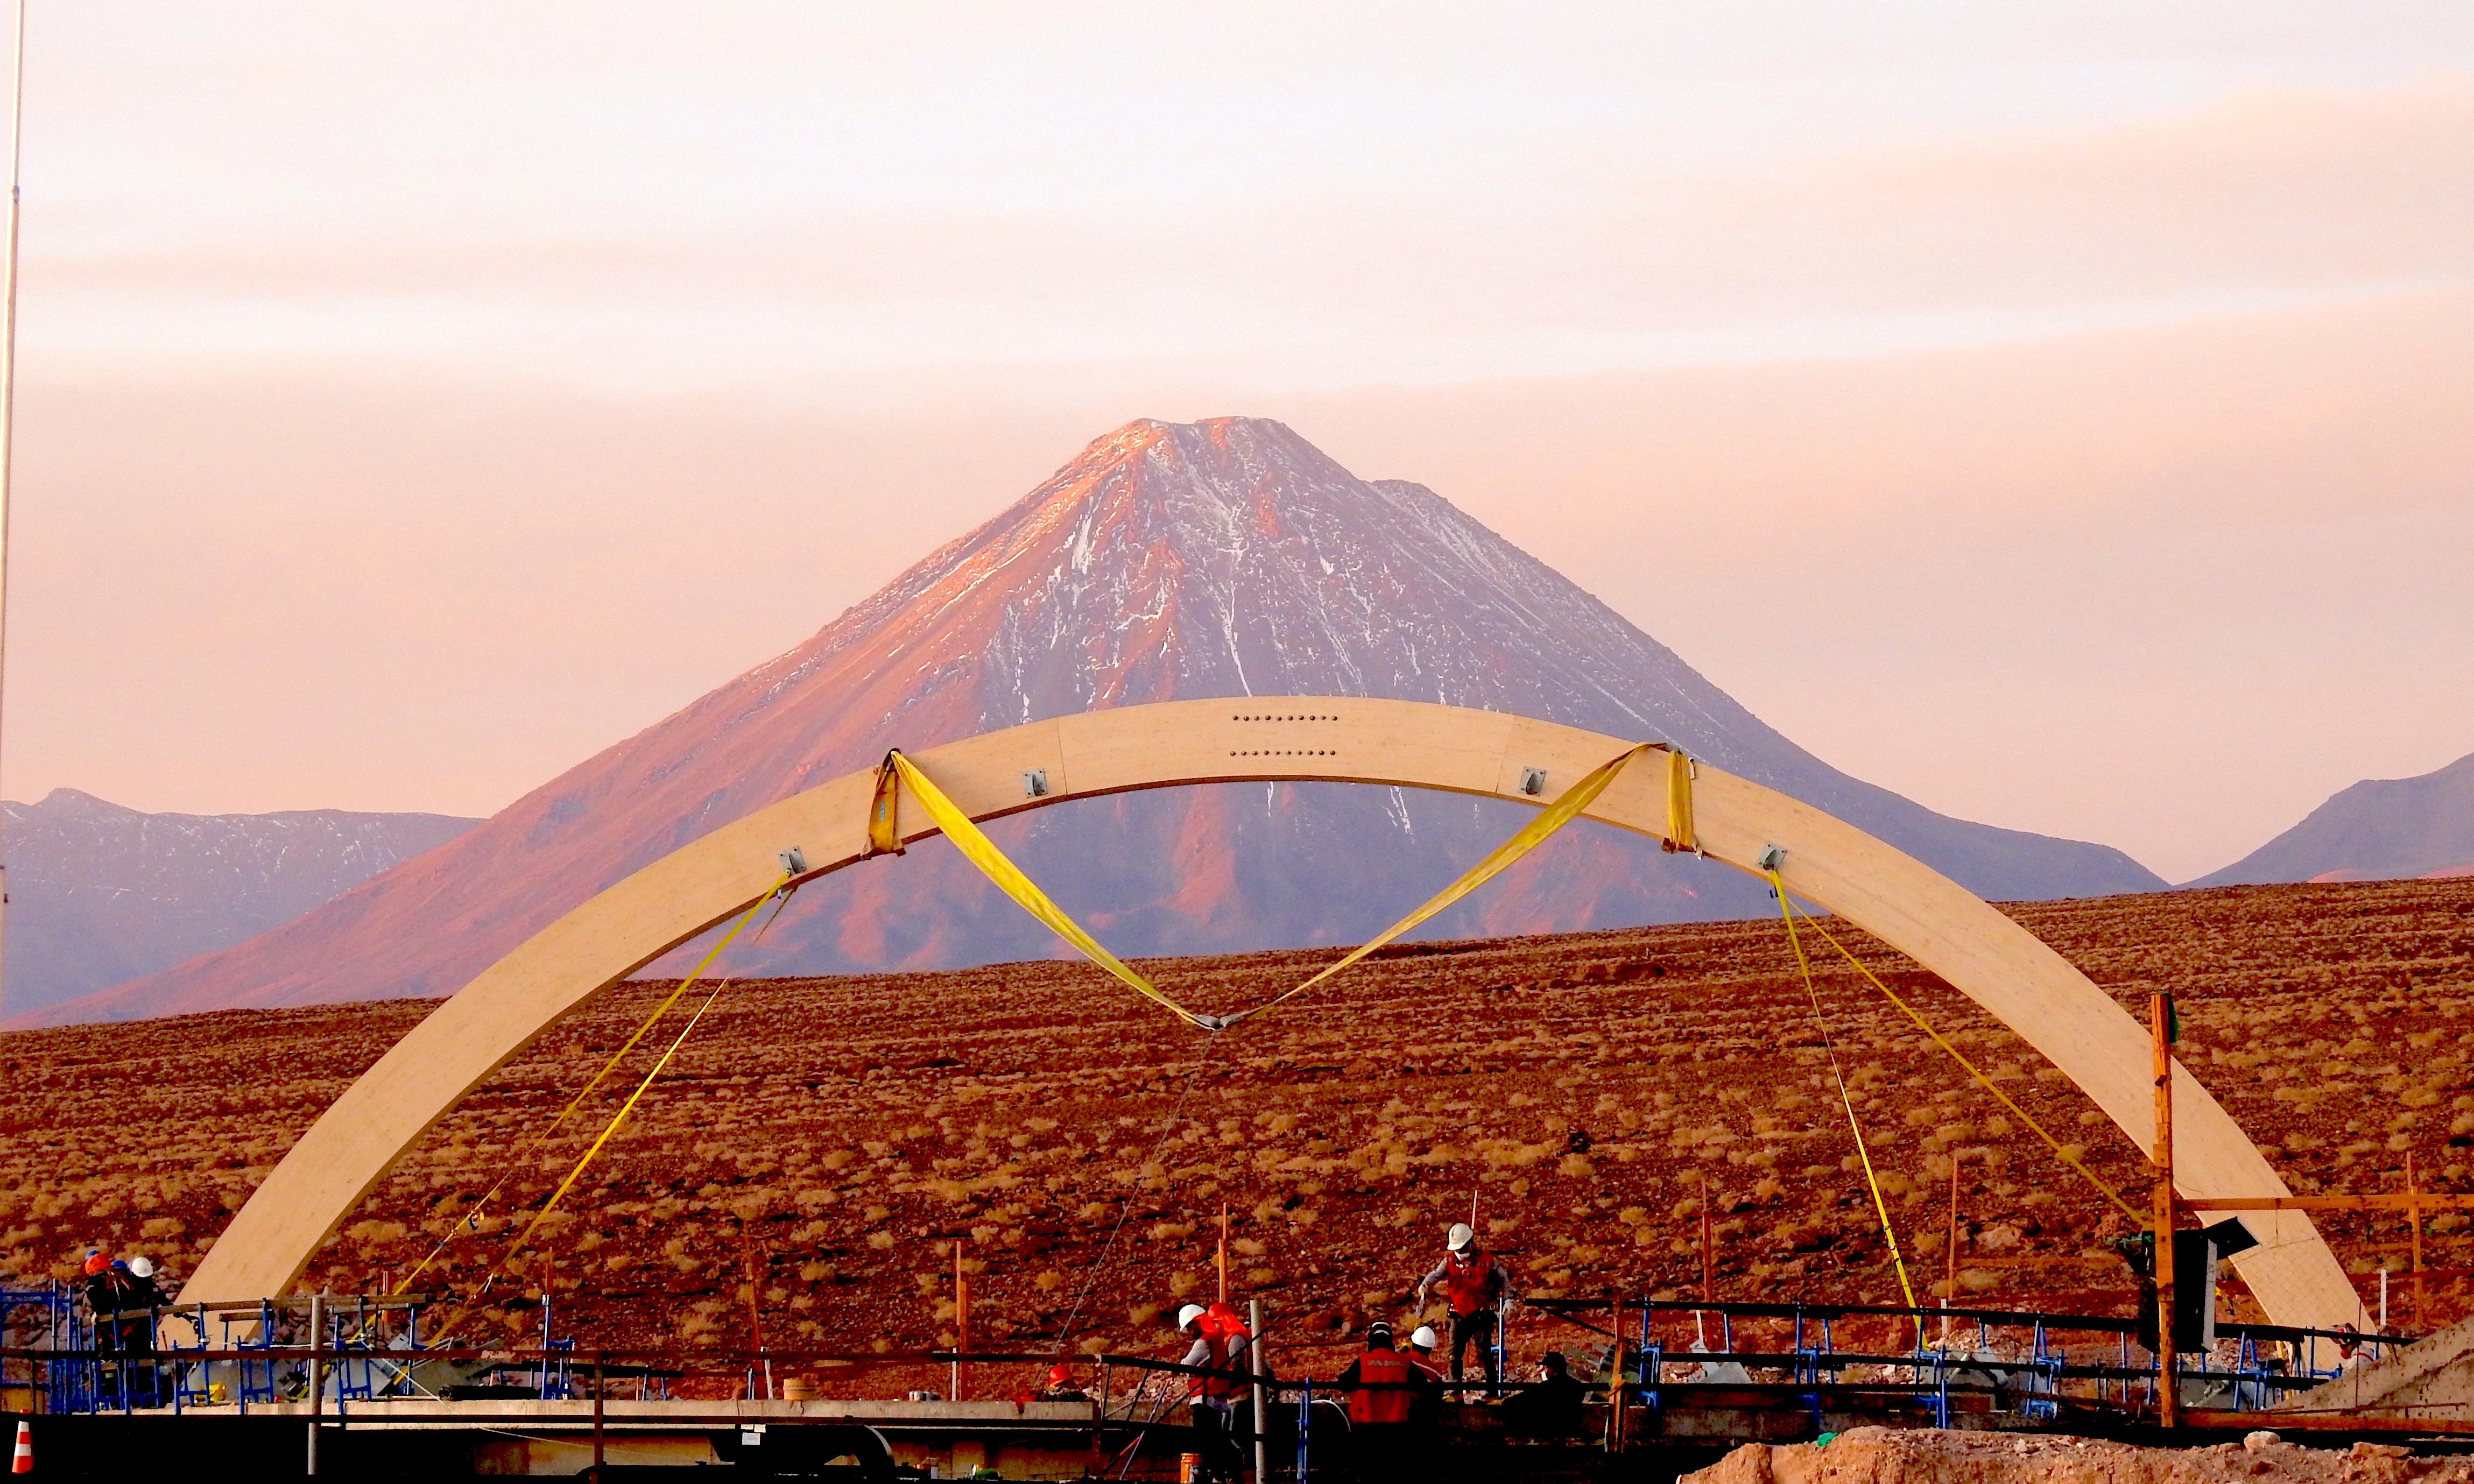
<point x="1672" y="1387"/>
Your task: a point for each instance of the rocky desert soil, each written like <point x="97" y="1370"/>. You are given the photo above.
<point x="813" y="1155"/>
<point x="1875" y="1455"/>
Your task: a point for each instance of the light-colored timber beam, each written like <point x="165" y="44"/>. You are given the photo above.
<point x="1915" y="910"/>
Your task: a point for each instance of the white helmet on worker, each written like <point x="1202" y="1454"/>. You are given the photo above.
<point x="142" y="1267"/>
<point x="1189" y="1314"/>
<point x="1424" y="1337"/>
<point x="1460" y="1236"/>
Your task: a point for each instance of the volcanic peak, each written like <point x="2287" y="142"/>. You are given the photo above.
<point x="1165" y="561"/>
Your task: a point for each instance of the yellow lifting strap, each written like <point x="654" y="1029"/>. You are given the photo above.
<point x="982" y="852"/>
<point x="884" y="812"/>
<point x="610" y="1128"/>
<point x="2060" y="1151"/>
<point x="1554" y="817"/>
<point x="471" y="1221"/>
<point x="1680" y="835"/>
<point x="1863" y="1155"/>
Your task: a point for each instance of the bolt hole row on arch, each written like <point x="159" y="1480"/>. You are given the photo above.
<point x="1282" y="719"/>
<point x="1294" y="752"/>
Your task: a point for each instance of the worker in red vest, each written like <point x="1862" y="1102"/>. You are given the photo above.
<point x="1472" y="1281"/>
<point x="1214" y="1395"/>
<point x="1384" y="1385"/>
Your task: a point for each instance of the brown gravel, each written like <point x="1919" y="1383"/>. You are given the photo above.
<point x="839" y="1134"/>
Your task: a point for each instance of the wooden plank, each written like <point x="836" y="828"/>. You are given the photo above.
<point x="1906" y="904"/>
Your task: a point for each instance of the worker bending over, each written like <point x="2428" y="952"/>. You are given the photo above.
<point x="1472" y="1281"/>
<point x="1219" y="1347"/>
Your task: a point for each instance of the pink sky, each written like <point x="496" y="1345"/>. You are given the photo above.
<point x="2061" y="417"/>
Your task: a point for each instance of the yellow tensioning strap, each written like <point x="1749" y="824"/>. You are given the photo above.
<point x="2143" y="1219"/>
<point x="1680" y="835"/>
<point x="982" y="852"/>
<point x="884" y="812"/>
<point x="515" y="1162"/>
<point x="624" y="1109"/>
<point x="1554" y="817"/>
<point x="1863" y="1155"/>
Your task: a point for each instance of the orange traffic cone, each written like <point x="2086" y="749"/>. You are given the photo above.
<point x="23" y="1461"/>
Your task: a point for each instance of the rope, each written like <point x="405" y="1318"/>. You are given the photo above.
<point x="1010" y="879"/>
<point x="1100" y="1264"/>
<point x="610" y="1128"/>
<point x="515" y="1162"/>
<point x="1863" y="1155"/>
<point x="2145" y="1220"/>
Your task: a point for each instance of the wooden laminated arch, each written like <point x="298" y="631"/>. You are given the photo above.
<point x="1985" y="955"/>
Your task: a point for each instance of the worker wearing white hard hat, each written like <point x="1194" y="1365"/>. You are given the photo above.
<point x="1472" y="1281"/>
<point x="140" y="1297"/>
<point x="1214" y="1396"/>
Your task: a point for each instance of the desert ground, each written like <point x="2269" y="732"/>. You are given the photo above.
<point x="820" y="1144"/>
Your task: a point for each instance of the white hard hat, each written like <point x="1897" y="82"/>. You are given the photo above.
<point x="142" y="1267"/>
<point x="1424" y="1337"/>
<point x="1189" y="1314"/>
<point x="1459" y="1236"/>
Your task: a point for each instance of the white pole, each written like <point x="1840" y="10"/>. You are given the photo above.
<point x="1254" y="1363"/>
<point x="9" y="377"/>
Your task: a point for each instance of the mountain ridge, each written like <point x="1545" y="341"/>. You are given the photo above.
<point x="1227" y="557"/>
<point x="2377" y="829"/>
<point x="101" y="894"/>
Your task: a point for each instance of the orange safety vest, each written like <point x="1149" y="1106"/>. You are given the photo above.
<point x="1389" y="1368"/>
<point x="1469" y="1285"/>
<point x="1230" y="1340"/>
<point x="1214" y="1358"/>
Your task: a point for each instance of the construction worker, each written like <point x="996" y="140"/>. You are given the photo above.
<point x="1240" y="1345"/>
<point x="1422" y="1341"/>
<point x="1383" y="1385"/>
<point x="1472" y="1281"/>
<point x="1223" y="1317"/>
<point x="1061" y="1386"/>
<point x="105" y="1281"/>
<point x="1214" y="1395"/>
<point x="138" y="1300"/>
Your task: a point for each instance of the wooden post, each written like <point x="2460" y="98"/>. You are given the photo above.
<point x="755" y="1285"/>
<point x="317" y="1377"/>
<point x="1615" y="1378"/>
<point x="2168" y="1368"/>
<point x="599" y="1386"/>
<point x="962" y="1316"/>
<point x="1950" y="1276"/>
<point x="1223" y="1252"/>
<point x="1708" y="1248"/>
<point x="2414" y="1216"/>
<point x="1700" y="1321"/>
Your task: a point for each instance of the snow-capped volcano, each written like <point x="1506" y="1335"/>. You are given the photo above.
<point x="1167" y="561"/>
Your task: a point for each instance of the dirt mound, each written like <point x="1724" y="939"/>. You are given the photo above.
<point x="1880" y="1455"/>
